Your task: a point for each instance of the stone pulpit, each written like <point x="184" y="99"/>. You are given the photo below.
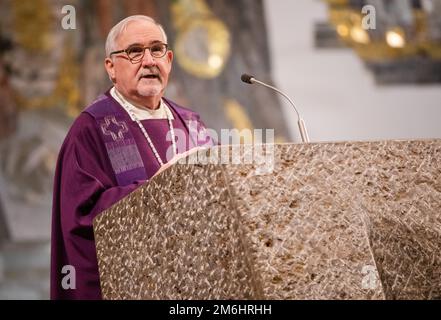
<point x="350" y="220"/>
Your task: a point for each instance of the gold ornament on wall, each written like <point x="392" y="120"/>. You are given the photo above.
<point x="203" y="42"/>
<point x="395" y="44"/>
<point x="39" y="42"/>
<point x="66" y="92"/>
<point x="32" y="21"/>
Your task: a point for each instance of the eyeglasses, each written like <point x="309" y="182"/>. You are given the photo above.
<point x="135" y="53"/>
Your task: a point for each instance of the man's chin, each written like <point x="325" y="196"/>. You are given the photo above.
<point x="149" y="92"/>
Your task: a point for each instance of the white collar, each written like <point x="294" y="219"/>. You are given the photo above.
<point x="141" y="114"/>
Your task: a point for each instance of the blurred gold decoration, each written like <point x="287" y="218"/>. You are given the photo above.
<point x="35" y="33"/>
<point x="359" y="35"/>
<point x="42" y="102"/>
<point x="67" y="90"/>
<point x="66" y="93"/>
<point x="202" y="44"/>
<point x="348" y="25"/>
<point x="404" y="44"/>
<point x="336" y="3"/>
<point x="239" y="119"/>
<point x="342" y="30"/>
<point x="396" y="38"/>
<point x="32" y="23"/>
<point x="433" y="49"/>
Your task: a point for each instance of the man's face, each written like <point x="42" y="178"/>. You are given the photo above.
<point x="141" y="82"/>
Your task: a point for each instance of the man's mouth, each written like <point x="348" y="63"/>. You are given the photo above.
<point x="149" y="76"/>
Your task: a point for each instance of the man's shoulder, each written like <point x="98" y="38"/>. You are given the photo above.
<point x="82" y="125"/>
<point x="99" y="107"/>
<point x="85" y="124"/>
<point x="184" y="112"/>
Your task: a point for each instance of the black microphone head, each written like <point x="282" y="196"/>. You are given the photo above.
<point x="247" y="78"/>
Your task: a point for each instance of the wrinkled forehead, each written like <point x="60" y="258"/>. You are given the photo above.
<point x="140" y="32"/>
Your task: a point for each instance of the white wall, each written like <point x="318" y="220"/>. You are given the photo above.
<point x="335" y="93"/>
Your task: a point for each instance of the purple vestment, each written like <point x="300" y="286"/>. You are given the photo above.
<point x="86" y="184"/>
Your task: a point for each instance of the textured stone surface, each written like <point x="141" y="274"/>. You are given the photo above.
<point x="182" y="244"/>
<point x="332" y="221"/>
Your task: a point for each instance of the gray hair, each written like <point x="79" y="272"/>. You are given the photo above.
<point x="119" y="28"/>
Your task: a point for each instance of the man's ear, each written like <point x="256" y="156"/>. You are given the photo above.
<point x="170" y="56"/>
<point x="110" y="68"/>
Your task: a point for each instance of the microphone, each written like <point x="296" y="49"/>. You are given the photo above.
<point x="302" y="127"/>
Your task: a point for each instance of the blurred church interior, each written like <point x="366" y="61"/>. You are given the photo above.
<point x="349" y="82"/>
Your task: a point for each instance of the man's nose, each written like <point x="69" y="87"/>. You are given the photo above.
<point x="148" y="59"/>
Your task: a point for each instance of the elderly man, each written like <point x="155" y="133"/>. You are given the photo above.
<point x="115" y="145"/>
